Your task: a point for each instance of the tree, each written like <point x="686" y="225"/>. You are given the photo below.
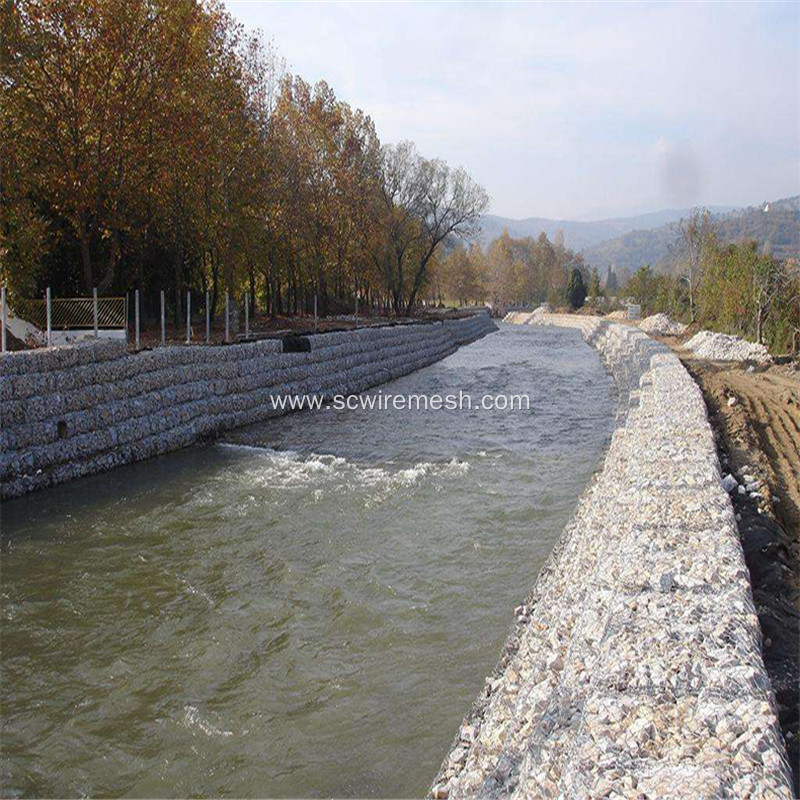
<point x="642" y="286"/>
<point x="768" y="279"/>
<point x="695" y="234"/>
<point x="594" y="284"/>
<point x="576" y="289"/>
<point x="612" y="287"/>
<point x="158" y="146"/>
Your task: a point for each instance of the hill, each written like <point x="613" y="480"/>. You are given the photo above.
<point x="580" y="235"/>
<point x="775" y="225"/>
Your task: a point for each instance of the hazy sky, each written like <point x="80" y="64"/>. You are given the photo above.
<point x="578" y="110"/>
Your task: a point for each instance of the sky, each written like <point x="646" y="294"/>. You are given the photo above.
<point x="568" y="110"/>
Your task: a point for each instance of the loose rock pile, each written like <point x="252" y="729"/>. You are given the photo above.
<point x="73" y="411"/>
<point x="635" y="667"/>
<point x="661" y="325"/>
<point x="721" y="347"/>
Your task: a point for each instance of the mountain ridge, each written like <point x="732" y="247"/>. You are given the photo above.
<point x="630" y="242"/>
<point x="580" y="233"/>
<point x="774" y="224"/>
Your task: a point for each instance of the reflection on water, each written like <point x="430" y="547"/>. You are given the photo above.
<point x="307" y="609"/>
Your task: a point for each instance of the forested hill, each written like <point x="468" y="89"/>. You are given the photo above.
<point x="776" y="224"/>
<point x="577" y="234"/>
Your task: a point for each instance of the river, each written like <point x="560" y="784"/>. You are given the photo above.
<point x="306" y="609"/>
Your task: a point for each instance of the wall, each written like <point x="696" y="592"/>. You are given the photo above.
<point x="635" y="668"/>
<point x="73" y="411"/>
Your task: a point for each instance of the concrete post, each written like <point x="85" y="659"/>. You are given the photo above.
<point x="208" y="318"/>
<point x="163" y="318"/>
<point x="247" y="315"/>
<point x="227" y="316"/>
<point x="95" y="311"/>
<point x="49" y="318"/>
<point x="188" y="316"/>
<point x="136" y="312"/>
<point x="4" y="321"/>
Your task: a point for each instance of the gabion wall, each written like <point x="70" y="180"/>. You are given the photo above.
<point x="635" y="666"/>
<point x="73" y="411"/>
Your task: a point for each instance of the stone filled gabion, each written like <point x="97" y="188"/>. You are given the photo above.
<point x="72" y="411"/>
<point x="635" y="666"/>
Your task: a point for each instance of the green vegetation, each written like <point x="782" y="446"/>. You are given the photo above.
<point x="576" y="290"/>
<point x="731" y="288"/>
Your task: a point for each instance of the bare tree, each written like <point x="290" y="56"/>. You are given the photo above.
<point x="425" y="201"/>
<point x="695" y="235"/>
<point x="452" y="204"/>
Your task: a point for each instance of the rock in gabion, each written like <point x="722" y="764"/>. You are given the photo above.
<point x="661" y="325"/>
<point x="722" y="347"/>
<point x="72" y="411"/>
<point x="634" y="668"/>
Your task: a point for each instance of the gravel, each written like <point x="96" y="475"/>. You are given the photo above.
<point x="661" y="325"/>
<point x="722" y="347"/>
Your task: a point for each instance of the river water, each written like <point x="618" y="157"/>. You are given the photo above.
<point x="306" y="610"/>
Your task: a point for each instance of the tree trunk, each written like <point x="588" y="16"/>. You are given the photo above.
<point x="108" y="278"/>
<point x="252" y="293"/>
<point x="86" y="255"/>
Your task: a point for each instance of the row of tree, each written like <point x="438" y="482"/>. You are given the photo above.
<point x="158" y="146"/>
<point x="512" y="272"/>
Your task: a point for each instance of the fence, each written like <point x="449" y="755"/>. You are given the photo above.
<point x="76" y="313"/>
<point x="50" y="321"/>
<point x="65" y="320"/>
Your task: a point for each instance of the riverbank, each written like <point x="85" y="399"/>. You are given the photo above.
<point x="636" y="665"/>
<point x="74" y="411"/>
<point x="754" y="413"/>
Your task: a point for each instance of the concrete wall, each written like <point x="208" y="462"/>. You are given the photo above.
<point x="635" y="668"/>
<point x="73" y="411"/>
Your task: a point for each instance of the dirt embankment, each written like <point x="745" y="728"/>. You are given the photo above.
<point x="755" y="412"/>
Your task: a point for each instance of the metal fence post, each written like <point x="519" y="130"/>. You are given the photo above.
<point x="95" y="311"/>
<point x="227" y="316"/>
<point x="315" y="312"/>
<point x="49" y="319"/>
<point x="247" y="315"/>
<point x="208" y="319"/>
<point x="163" y="318"/>
<point x="136" y="311"/>
<point x="4" y="321"/>
<point x="188" y="316"/>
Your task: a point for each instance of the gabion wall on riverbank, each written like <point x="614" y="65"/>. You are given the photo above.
<point x="635" y="667"/>
<point x="73" y="411"/>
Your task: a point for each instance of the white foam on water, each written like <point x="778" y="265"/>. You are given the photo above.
<point x="288" y="469"/>
<point x="192" y="719"/>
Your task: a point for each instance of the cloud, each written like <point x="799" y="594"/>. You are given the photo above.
<point x="555" y="107"/>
